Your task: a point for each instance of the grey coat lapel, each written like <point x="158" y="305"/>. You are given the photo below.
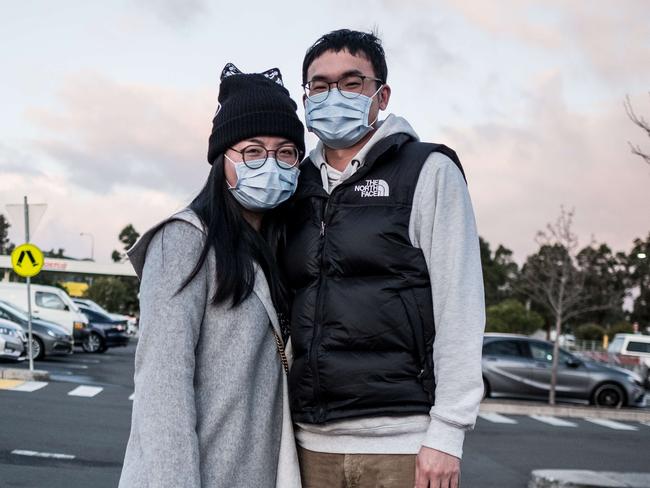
<point x="261" y="289"/>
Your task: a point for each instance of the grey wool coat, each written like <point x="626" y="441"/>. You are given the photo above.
<point x="210" y="407"/>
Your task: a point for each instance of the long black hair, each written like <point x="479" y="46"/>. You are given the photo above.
<point x="237" y="246"/>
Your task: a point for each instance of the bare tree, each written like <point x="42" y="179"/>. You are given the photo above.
<point x="641" y="122"/>
<point x="555" y="280"/>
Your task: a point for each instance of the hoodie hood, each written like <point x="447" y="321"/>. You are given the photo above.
<point x="138" y="252"/>
<point x="390" y="126"/>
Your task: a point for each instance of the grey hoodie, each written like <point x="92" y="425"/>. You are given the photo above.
<point x="442" y="225"/>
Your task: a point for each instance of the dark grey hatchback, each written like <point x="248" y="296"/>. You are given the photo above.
<point x="520" y="367"/>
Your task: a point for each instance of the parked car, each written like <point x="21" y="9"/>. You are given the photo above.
<point x="132" y="322"/>
<point x="13" y="342"/>
<point x="104" y="331"/>
<point x="518" y="366"/>
<point x="48" y="303"/>
<point x="48" y="338"/>
<point x="631" y="351"/>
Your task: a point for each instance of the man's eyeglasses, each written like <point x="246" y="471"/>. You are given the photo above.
<point x="350" y="86"/>
<point x="254" y="156"/>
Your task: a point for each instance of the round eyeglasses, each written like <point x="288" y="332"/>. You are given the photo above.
<point x="350" y="86"/>
<point x="255" y="155"/>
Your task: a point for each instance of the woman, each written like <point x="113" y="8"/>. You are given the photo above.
<point x="211" y="407"/>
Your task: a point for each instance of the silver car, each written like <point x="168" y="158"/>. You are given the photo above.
<point x="13" y="342"/>
<point x="47" y="337"/>
<point x="520" y="367"/>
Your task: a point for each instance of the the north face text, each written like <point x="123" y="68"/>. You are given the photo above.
<point x="373" y="188"/>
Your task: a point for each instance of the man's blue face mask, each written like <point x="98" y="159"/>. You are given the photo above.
<point x="339" y="121"/>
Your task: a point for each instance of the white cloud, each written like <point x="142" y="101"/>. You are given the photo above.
<point x="107" y="134"/>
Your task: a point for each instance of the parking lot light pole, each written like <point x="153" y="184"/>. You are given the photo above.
<point x="92" y="244"/>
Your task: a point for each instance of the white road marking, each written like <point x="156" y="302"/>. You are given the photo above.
<point x="496" y="418"/>
<point x="132" y="396"/>
<point x="73" y="366"/>
<point x="646" y="422"/>
<point x="54" y="455"/>
<point x="31" y="386"/>
<point x="85" y="391"/>
<point x="553" y="421"/>
<point x="611" y="424"/>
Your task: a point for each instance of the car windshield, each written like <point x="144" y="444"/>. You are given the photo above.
<point x="22" y="314"/>
<point x="87" y="303"/>
<point x="95" y="316"/>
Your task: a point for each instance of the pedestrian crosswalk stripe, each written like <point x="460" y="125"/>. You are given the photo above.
<point x="611" y="424"/>
<point x="85" y="391"/>
<point x="30" y="386"/>
<point x="52" y="455"/>
<point x="553" y="421"/>
<point x="496" y="418"/>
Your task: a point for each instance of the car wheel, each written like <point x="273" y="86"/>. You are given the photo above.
<point x="93" y="343"/>
<point x="38" y="351"/>
<point x="608" y="395"/>
<point x="486" y="389"/>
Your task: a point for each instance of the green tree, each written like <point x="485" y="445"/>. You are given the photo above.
<point x="512" y="316"/>
<point x="59" y="253"/>
<point x="499" y="272"/>
<point x="590" y="332"/>
<point x="128" y="236"/>
<point x="605" y="282"/>
<point x="619" y="328"/>
<point x="118" y="295"/>
<point x="6" y="246"/>
<point x="639" y="269"/>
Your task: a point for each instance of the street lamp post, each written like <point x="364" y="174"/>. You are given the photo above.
<point x="92" y="244"/>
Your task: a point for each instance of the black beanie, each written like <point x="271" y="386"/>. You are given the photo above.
<point x="255" y="104"/>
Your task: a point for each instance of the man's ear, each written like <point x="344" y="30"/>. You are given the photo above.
<point x="384" y="97"/>
<point x="304" y="99"/>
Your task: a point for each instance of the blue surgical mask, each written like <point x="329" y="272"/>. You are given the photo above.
<point x="338" y="121"/>
<point x="265" y="187"/>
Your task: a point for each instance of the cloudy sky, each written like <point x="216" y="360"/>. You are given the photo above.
<point x="107" y="106"/>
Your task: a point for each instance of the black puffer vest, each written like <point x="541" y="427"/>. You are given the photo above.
<point x="362" y="323"/>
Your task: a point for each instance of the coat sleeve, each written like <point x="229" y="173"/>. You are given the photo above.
<point x="443" y="226"/>
<point x="164" y="409"/>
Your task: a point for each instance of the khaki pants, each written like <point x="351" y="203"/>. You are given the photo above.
<point x="323" y="470"/>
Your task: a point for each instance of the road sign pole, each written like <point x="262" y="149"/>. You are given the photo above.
<point x="29" y="295"/>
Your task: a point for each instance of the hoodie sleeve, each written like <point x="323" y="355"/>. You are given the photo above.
<point x="164" y="411"/>
<point x="442" y="225"/>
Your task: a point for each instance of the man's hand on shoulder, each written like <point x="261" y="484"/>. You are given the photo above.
<point x="436" y="469"/>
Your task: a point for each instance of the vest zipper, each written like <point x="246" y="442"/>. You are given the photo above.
<point x="313" y="359"/>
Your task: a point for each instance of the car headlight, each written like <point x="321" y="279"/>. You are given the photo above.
<point x="50" y="333"/>
<point x="8" y="331"/>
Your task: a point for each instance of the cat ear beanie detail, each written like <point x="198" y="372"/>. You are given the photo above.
<point x="253" y="105"/>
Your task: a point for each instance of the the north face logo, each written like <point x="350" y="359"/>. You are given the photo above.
<point x="373" y="188"/>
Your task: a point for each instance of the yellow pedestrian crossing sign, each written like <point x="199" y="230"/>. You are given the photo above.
<point x="27" y="260"/>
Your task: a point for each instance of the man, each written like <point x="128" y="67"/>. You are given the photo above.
<point x="383" y="257"/>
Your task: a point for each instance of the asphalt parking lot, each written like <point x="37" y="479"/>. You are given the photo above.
<point x="71" y="431"/>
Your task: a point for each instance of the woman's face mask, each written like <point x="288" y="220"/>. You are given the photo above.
<point x="264" y="187"/>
